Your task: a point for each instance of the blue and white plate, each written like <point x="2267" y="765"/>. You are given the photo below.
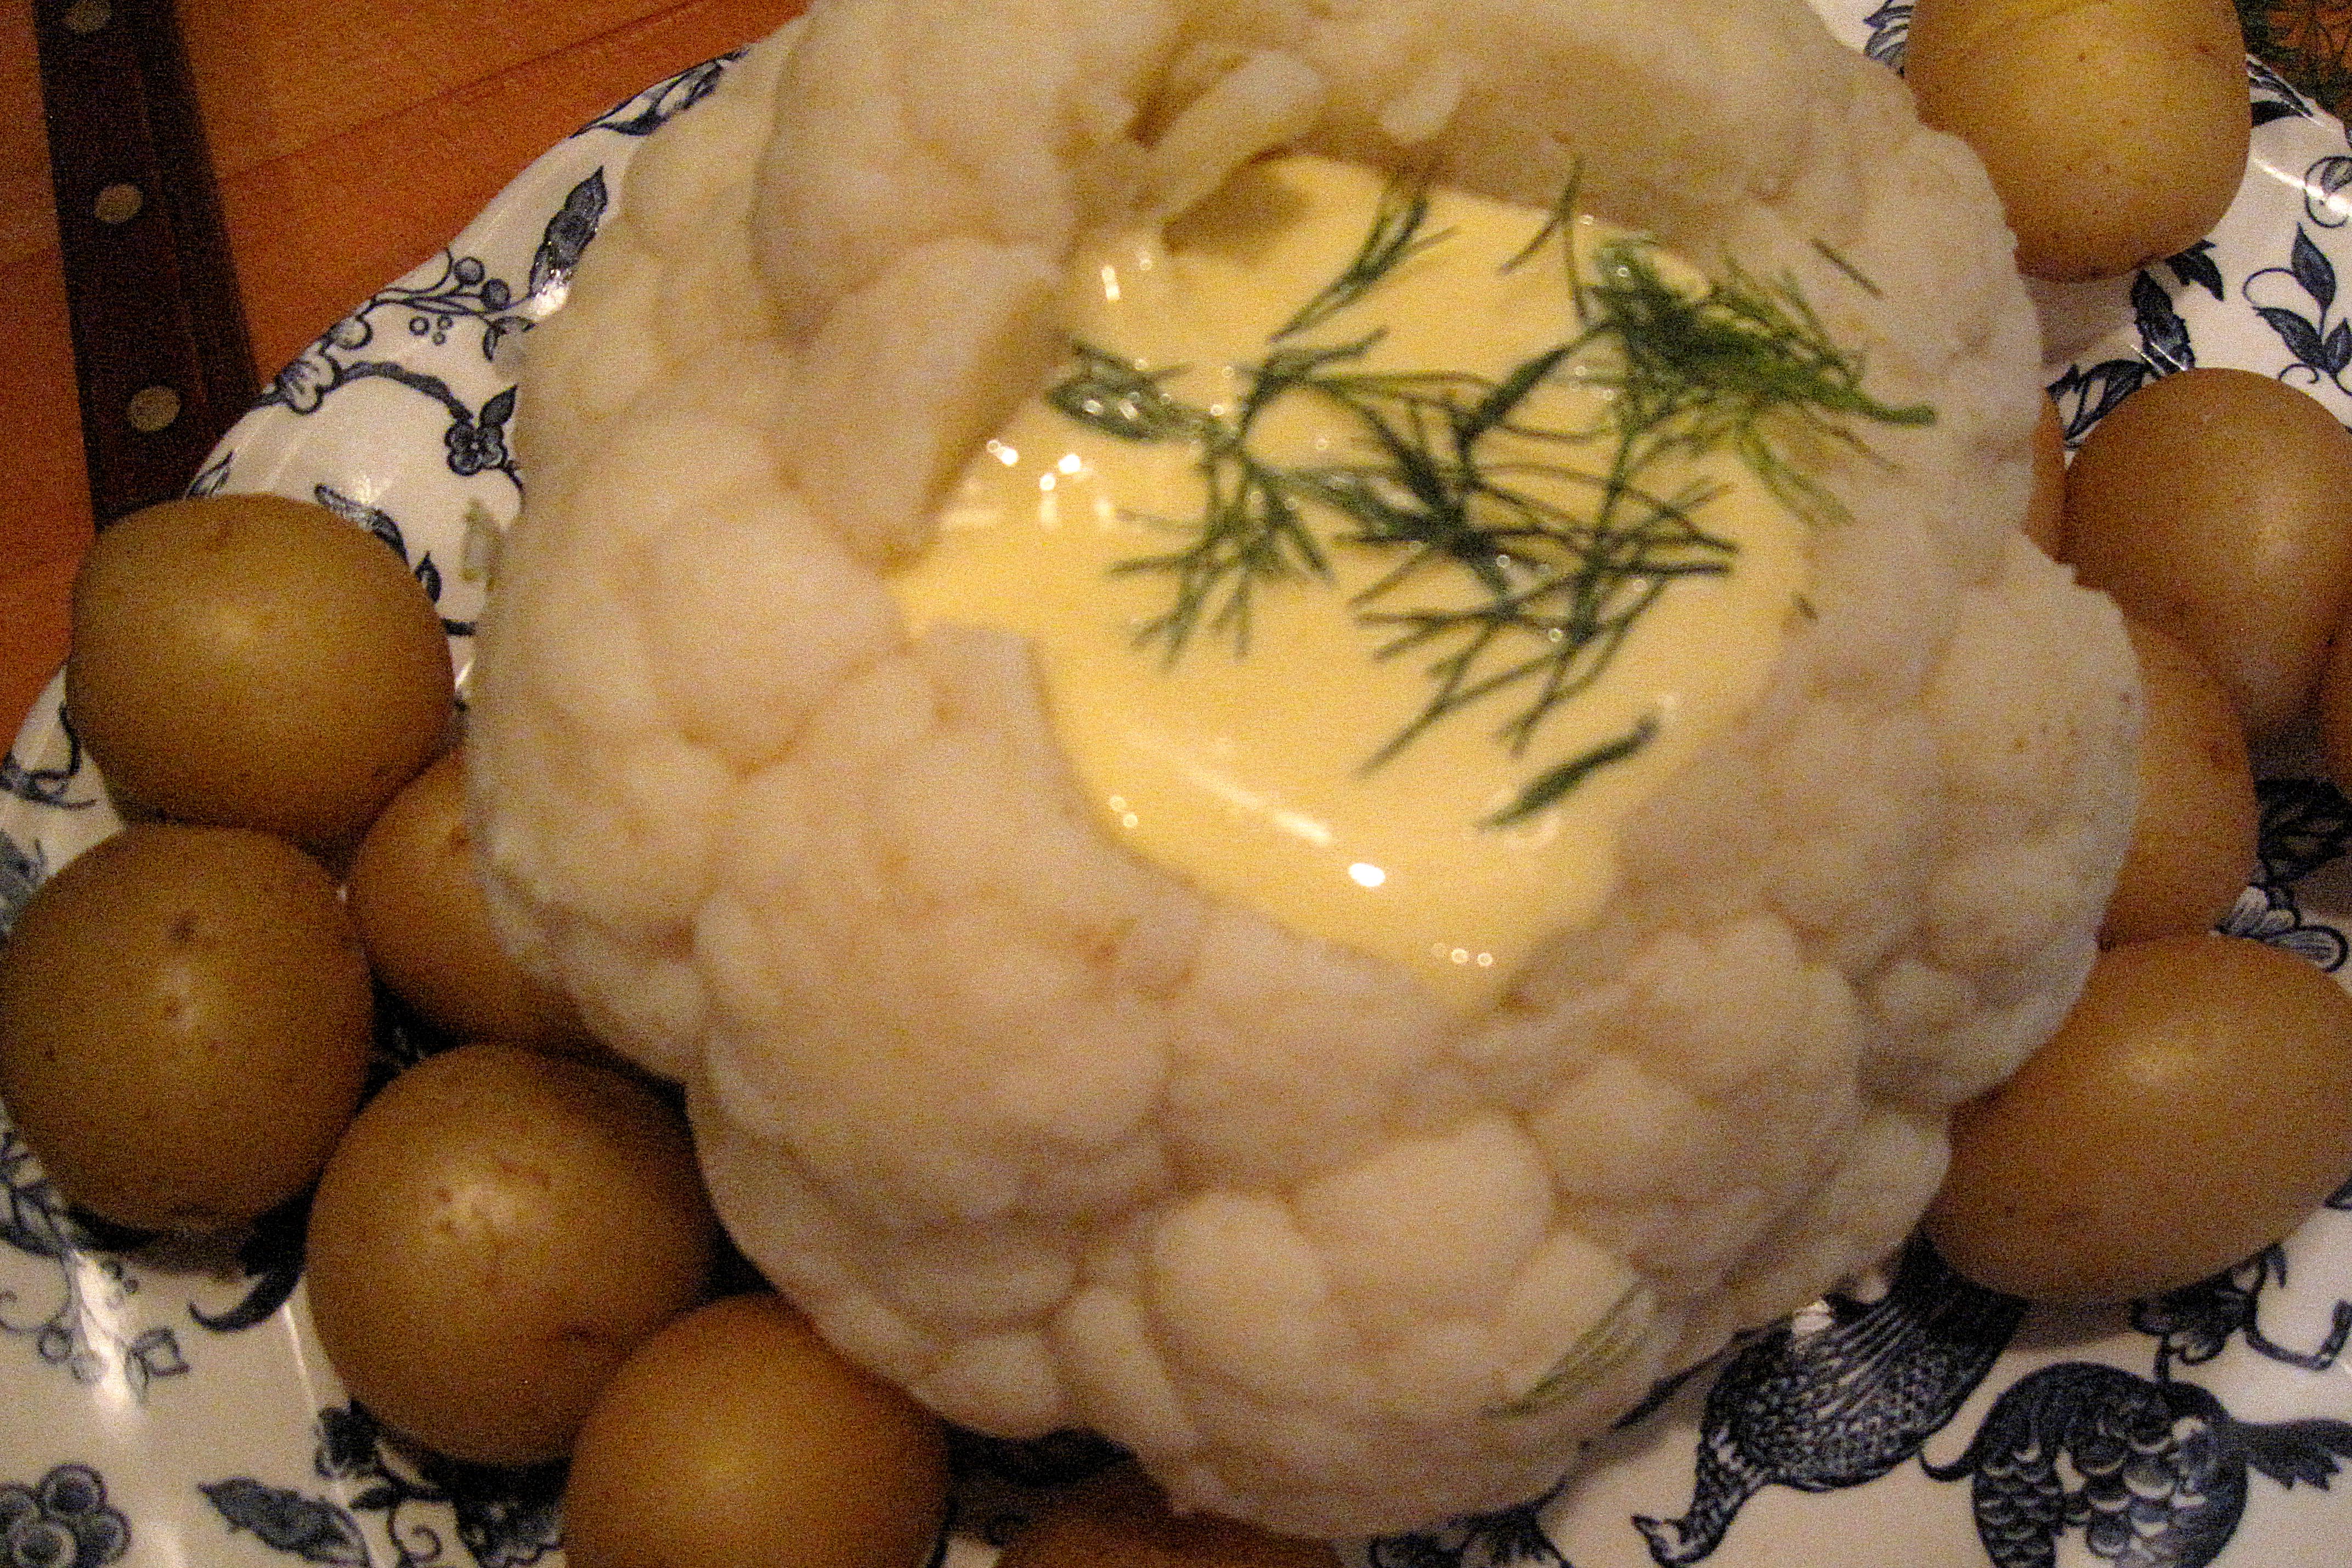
<point x="163" y="1405"/>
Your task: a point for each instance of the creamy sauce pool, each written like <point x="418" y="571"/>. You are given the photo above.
<point x="1294" y="762"/>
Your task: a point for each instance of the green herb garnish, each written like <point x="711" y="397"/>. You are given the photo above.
<point x="1561" y="558"/>
<point x="1599" y="1350"/>
<point x="1555" y="783"/>
<point x="1250" y="531"/>
<point x="1745" y="365"/>
<point x="1395" y="236"/>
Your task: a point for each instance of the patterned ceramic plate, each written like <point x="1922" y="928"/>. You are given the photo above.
<point x="161" y="1404"/>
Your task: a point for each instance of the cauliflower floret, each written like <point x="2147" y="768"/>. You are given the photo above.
<point x="1034" y="1127"/>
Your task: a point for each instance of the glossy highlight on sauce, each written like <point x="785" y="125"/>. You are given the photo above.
<point x="1288" y="758"/>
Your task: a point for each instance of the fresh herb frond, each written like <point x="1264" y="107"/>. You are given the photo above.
<point x="1118" y="397"/>
<point x="1250" y="531"/>
<point x="1567" y="617"/>
<point x="1743" y="365"/>
<point x="1836" y="258"/>
<point x="1554" y="784"/>
<point x="1348" y="389"/>
<point x="1394" y="239"/>
<point x="1288" y="369"/>
<point x="1254" y="535"/>
<point x="1514" y="579"/>
<point x="1558" y="223"/>
<point x="1493" y="411"/>
<point x="1598" y="1349"/>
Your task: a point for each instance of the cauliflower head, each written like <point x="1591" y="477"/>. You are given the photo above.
<point x="1032" y="1127"/>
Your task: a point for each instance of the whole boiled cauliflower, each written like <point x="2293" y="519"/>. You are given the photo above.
<point x="1029" y="1124"/>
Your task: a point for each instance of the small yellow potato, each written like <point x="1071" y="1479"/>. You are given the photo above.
<point x="256" y="662"/>
<point x="1119" y="1516"/>
<point x="2247" y="563"/>
<point x="426" y="925"/>
<point x="184" y="1025"/>
<point x="737" y="1439"/>
<point x="2194" y="1107"/>
<point x="498" y="1230"/>
<point x="2335" y="709"/>
<point x="2193" y="839"/>
<point x="2045" y="511"/>
<point x="2116" y="130"/>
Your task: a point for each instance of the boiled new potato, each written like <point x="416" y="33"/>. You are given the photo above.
<point x="184" y="1025"/>
<point x="2216" y="504"/>
<point x="1119" y="1516"/>
<point x="2193" y="839"/>
<point x="2116" y="130"/>
<point x="2194" y="1107"/>
<point x="737" y="1439"/>
<point x="256" y="662"/>
<point x="426" y="925"/>
<point x="496" y="1232"/>
<point x="2045" y="510"/>
<point x="2336" y="710"/>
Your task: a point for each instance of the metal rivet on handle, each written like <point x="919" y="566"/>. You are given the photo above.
<point x="117" y="204"/>
<point x="86" y="15"/>
<point x="152" y="409"/>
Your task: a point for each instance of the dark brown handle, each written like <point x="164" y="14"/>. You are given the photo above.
<point x="160" y="347"/>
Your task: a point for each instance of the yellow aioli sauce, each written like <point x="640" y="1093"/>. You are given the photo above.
<point x="1250" y="772"/>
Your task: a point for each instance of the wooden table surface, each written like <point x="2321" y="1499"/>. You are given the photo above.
<point x="351" y="137"/>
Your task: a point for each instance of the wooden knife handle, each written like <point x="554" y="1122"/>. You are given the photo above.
<point x="160" y="348"/>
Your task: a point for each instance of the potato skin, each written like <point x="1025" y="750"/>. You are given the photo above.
<point x="2115" y="130"/>
<point x="416" y="893"/>
<point x="2247" y="563"/>
<point x="2335" y="708"/>
<point x="256" y="662"/>
<point x="1118" y="1516"/>
<point x="2045" y="510"/>
<point x="2194" y="1107"/>
<point x="2194" y="839"/>
<point x="496" y="1231"/>
<point x="184" y="1025"/>
<point x="737" y="1439"/>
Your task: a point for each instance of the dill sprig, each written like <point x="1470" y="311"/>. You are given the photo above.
<point x="1743" y="365"/>
<point x="1559" y="585"/>
<point x="1557" y="782"/>
<point x="1250" y="531"/>
<point x="1556" y="226"/>
<point x="1601" y="1348"/>
<point x="1561" y="558"/>
<point x="1120" y="397"/>
<point x="1394" y="239"/>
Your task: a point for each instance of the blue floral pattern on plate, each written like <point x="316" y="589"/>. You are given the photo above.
<point x="171" y="1396"/>
<point x="61" y="1520"/>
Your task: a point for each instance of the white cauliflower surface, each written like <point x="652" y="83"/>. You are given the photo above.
<point x="1028" y="1123"/>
